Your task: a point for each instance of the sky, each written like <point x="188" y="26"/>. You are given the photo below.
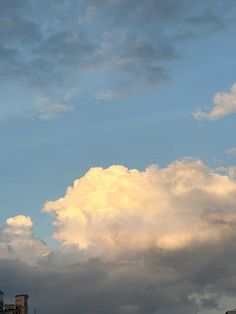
<point x="118" y="155"/>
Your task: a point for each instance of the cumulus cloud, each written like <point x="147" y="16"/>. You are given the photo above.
<point x="224" y="105"/>
<point x="232" y="172"/>
<point x="118" y="209"/>
<point x="17" y="241"/>
<point x="161" y="240"/>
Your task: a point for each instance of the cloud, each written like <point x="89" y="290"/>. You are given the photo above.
<point x="77" y="40"/>
<point x="100" y="287"/>
<point x="153" y="282"/>
<point x="18" y="242"/>
<point x="213" y="21"/>
<point x="224" y="105"/>
<point x="106" y="95"/>
<point x="161" y="240"/>
<point x="66" y="47"/>
<point x="112" y="210"/>
<point x="20" y="30"/>
<point x="48" y="110"/>
<point x="231" y="151"/>
<point x="11" y="8"/>
<point x="232" y="172"/>
<point x="159" y="11"/>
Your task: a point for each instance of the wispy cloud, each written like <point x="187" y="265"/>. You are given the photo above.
<point x="46" y="109"/>
<point x="106" y="95"/>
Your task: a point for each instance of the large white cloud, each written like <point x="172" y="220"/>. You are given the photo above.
<point x="224" y="104"/>
<point x="117" y="209"/>
<point x="184" y="212"/>
<point x="17" y="241"/>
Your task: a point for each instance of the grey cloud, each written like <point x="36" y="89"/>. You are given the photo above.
<point x="97" y="286"/>
<point x="7" y="54"/>
<point x="12" y="7"/>
<point x="153" y="281"/>
<point x="15" y="30"/>
<point x="142" y="47"/>
<point x="138" y="11"/>
<point x="163" y="13"/>
<point x="207" y="19"/>
<point x="59" y="43"/>
<point x="66" y="48"/>
<point x="148" y="57"/>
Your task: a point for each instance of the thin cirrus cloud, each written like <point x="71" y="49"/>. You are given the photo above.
<point x="224" y="104"/>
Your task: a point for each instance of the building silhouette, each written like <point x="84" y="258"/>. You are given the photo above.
<point x="20" y="306"/>
<point x="1" y="301"/>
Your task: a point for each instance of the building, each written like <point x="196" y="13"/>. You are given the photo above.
<point x="20" y="306"/>
<point x="1" y="301"/>
<point x="22" y="303"/>
<point x="10" y="309"/>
